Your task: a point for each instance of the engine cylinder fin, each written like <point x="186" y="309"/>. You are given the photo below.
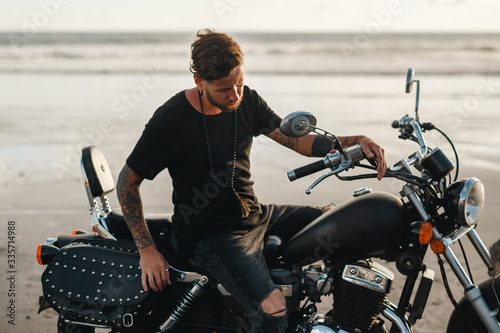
<point x="356" y="306"/>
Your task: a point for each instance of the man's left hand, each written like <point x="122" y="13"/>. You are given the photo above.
<point x="373" y="151"/>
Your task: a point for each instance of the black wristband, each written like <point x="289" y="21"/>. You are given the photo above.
<point x="321" y="146"/>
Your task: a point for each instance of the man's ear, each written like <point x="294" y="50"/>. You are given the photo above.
<point x="200" y="83"/>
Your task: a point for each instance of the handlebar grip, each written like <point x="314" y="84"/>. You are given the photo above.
<point x="306" y="170"/>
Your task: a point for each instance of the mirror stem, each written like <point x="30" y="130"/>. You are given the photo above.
<point x="416" y="101"/>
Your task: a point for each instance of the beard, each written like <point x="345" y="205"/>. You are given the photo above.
<point x="223" y="107"/>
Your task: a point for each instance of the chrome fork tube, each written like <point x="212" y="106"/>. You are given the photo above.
<point x="409" y="192"/>
<point x="457" y="268"/>
<point x="472" y="292"/>
<point x="481" y="249"/>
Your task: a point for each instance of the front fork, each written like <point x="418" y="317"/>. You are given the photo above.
<point x="471" y="291"/>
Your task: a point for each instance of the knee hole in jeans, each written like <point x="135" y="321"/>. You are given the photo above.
<point x="274" y="305"/>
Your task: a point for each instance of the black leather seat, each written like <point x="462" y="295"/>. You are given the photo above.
<point x="157" y="224"/>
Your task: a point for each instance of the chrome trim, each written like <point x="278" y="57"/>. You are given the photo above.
<point x="86" y="324"/>
<point x="298" y="123"/>
<point x="286" y="290"/>
<point x="457" y="268"/>
<point x="101" y="230"/>
<point x="223" y="290"/>
<point x="340" y="161"/>
<point x="50" y="241"/>
<point x="403" y="125"/>
<point x="456" y="235"/>
<point x="361" y="191"/>
<point x="186" y="302"/>
<point x="369" y="278"/>
<point x="184" y="276"/>
<point x="472" y="293"/>
<point x="389" y="312"/>
<point x="464" y="193"/>
<point x="415" y="200"/>
<point x="483" y="251"/>
<point x="488" y="317"/>
<point x="126" y="322"/>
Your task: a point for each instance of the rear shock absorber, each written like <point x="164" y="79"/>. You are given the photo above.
<point x="180" y="310"/>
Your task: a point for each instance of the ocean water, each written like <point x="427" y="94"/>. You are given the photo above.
<point x="319" y="54"/>
<point x="61" y="92"/>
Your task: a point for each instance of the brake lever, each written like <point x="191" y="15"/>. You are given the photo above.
<point x="340" y="168"/>
<point x="349" y="159"/>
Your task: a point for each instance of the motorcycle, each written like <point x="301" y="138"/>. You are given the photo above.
<point x="93" y="279"/>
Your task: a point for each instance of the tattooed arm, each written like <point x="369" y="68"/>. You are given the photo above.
<point x="303" y="145"/>
<point x="153" y="265"/>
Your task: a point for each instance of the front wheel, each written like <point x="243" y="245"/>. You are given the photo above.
<point x="471" y="323"/>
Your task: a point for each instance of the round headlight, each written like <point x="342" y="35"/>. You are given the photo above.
<point x="464" y="200"/>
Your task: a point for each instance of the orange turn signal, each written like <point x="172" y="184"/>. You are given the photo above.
<point x="425" y="233"/>
<point x="437" y="246"/>
<point x="39" y="255"/>
<point x="75" y="232"/>
<point x="45" y="253"/>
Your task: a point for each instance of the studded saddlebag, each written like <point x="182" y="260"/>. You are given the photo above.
<point x="97" y="285"/>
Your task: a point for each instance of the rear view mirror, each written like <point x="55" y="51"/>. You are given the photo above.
<point x="409" y="79"/>
<point x="298" y="123"/>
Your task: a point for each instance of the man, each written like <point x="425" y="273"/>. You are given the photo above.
<point x="203" y="137"/>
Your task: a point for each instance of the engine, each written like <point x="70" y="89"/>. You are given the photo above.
<point x="317" y="282"/>
<point x="359" y="292"/>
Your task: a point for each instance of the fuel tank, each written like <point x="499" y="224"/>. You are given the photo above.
<point x="367" y="226"/>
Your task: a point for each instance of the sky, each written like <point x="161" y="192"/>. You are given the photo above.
<point x="439" y="16"/>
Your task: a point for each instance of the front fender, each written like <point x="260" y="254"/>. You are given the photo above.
<point x="458" y="324"/>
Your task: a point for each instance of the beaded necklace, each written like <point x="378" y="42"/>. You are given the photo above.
<point x="245" y="210"/>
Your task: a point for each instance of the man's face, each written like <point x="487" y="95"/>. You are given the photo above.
<point x="226" y="93"/>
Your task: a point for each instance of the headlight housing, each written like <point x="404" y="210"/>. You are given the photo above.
<point x="464" y="200"/>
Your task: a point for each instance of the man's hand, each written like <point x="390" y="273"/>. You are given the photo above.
<point x="154" y="269"/>
<point x="153" y="265"/>
<point x="373" y="150"/>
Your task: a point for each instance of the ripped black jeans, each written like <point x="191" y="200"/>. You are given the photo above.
<point x="235" y="260"/>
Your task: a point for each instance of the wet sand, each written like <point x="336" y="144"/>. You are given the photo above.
<point x="42" y="133"/>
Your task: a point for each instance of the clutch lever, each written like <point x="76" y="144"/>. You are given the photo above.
<point x="341" y="167"/>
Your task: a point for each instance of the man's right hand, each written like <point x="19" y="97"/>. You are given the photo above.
<point x="154" y="269"/>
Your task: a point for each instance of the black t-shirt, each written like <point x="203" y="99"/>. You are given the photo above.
<point x="174" y="138"/>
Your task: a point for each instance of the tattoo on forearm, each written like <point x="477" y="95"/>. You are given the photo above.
<point x="131" y="203"/>
<point x="348" y="141"/>
<point x="286" y="141"/>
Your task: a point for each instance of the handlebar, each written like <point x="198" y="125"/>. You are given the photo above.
<point x="307" y="170"/>
<point x="335" y="160"/>
<point x="407" y="125"/>
<point x="339" y="161"/>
